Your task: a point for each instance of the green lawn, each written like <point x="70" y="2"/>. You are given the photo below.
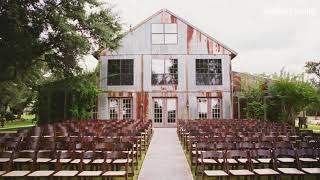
<point x="12" y="126"/>
<point x="313" y="127"/>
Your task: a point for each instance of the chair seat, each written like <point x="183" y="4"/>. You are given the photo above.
<point x="66" y="173"/>
<point x="264" y="160"/>
<point x="43" y="160"/>
<point x="2" y="172"/>
<point x="16" y="174"/>
<point x="114" y="173"/>
<point x="266" y="171"/>
<point x="286" y="160"/>
<point x="121" y="161"/>
<point x="100" y="161"/>
<point x="22" y="160"/>
<point x="41" y="173"/>
<point x="308" y="160"/>
<point x="61" y="160"/>
<point x="231" y="161"/>
<point x="90" y="173"/>
<point x="213" y="173"/>
<point x="207" y="161"/>
<point x="130" y="152"/>
<point x="195" y="152"/>
<point x="241" y="172"/>
<point x="311" y="170"/>
<point x="85" y="161"/>
<point x="241" y="160"/>
<point x="2" y="160"/>
<point x="292" y="171"/>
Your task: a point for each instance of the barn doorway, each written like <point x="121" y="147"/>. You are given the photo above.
<point x="164" y="112"/>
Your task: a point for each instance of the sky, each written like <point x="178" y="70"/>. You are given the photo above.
<point x="268" y="35"/>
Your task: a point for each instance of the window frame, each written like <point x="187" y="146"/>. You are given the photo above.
<point x="121" y="115"/>
<point x="207" y="69"/>
<point x="121" y="74"/>
<point x="164" y="33"/>
<point x="211" y="113"/>
<point x="164" y="60"/>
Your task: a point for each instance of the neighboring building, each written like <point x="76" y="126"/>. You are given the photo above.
<point x="166" y="69"/>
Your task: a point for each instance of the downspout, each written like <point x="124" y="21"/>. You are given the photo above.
<point x="142" y="91"/>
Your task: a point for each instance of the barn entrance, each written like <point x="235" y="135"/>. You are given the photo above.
<point x="164" y="112"/>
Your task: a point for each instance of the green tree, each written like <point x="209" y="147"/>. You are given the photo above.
<point x="253" y="94"/>
<point x="49" y="37"/>
<point x="57" y="32"/>
<point x="293" y="93"/>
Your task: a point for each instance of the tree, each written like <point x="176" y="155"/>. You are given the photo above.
<point x="253" y="94"/>
<point x="57" y="32"/>
<point x="314" y="68"/>
<point x="294" y="94"/>
<point x="48" y="37"/>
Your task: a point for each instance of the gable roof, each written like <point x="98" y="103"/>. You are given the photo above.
<point x="233" y="53"/>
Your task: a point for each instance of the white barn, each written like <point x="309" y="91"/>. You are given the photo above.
<point x="166" y="69"/>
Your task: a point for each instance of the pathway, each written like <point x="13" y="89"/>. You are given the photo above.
<point x="165" y="159"/>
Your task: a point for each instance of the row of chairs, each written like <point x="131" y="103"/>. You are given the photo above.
<point x="75" y="146"/>
<point x="260" y="162"/>
<point x="247" y="138"/>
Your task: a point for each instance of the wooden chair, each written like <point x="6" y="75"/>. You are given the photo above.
<point x="62" y="161"/>
<point x="287" y="162"/>
<point x="263" y="164"/>
<point x="5" y="159"/>
<point x="238" y="169"/>
<point x="83" y="172"/>
<point x="210" y="158"/>
<point x="20" y="161"/>
<point x="113" y="168"/>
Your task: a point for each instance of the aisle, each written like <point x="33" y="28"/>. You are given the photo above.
<point x="165" y="159"/>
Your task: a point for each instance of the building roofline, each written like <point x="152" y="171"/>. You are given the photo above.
<point x="233" y="53"/>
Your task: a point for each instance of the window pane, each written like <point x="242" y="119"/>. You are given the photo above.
<point x="171" y="28"/>
<point x="157" y="110"/>
<point x="202" y="108"/>
<point x="113" y="108"/>
<point x="120" y="72"/>
<point x="157" y="66"/>
<point x="171" y="110"/>
<point x="208" y="72"/>
<point x="158" y="79"/>
<point x="157" y="38"/>
<point x="157" y="28"/>
<point x="171" y="38"/>
<point x="126" y="79"/>
<point x="126" y="108"/>
<point x="215" y="107"/>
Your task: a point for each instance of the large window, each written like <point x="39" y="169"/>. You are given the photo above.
<point x="120" y="72"/>
<point x="120" y="108"/>
<point x="209" y="108"/>
<point x="164" y="71"/>
<point x="208" y="72"/>
<point x="164" y="33"/>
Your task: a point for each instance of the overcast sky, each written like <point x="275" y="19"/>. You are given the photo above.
<point x="268" y="35"/>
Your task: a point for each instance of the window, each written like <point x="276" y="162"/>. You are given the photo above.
<point x="157" y="111"/>
<point x="215" y="108"/>
<point x="208" y="72"/>
<point x="120" y="108"/>
<point x="171" y="110"/>
<point x="164" y="33"/>
<point x="120" y="72"/>
<point x="164" y="72"/>
<point x="202" y="108"/>
<point x="209" y="108"/>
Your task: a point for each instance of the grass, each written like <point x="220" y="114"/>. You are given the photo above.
<point x="26" y="121"/>
<point x="312" y="127"/>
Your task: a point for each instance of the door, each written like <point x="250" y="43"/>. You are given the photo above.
<point x="164" y="112"/>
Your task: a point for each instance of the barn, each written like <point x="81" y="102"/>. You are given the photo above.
<point x="166" y="69"/>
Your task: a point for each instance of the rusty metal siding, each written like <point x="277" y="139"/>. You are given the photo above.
<point x="192" y="44"/>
